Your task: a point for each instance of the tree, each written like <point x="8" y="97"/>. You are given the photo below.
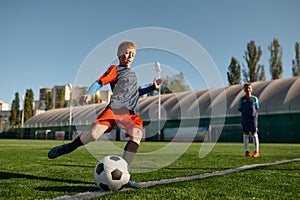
<point x="49" y="101"/>
<point x="234" y="72"/>
<point x="262" y="74"/>
<point x="28" y="104"/>
<point x="13" y="114"/>
<point x="275" y="59"/>
<point x="296" y="62"/>
<point x="97" y="99"/>
<point x="61" y="100"/>
<point x="15" y="111"/>
<point x="94" y="99"/>
<point x="252" y="56"/>
<point x="174" y="83"/>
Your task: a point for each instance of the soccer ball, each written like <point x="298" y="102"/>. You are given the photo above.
<point x="111" y="173"/>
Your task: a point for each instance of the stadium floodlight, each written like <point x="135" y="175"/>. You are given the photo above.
<point x="22" y="117"/>
<point x="158" y="71"/>
<point x="157" y="67"/>
<point x="70" y="107"/>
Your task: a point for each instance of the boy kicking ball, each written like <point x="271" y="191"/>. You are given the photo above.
<point x="248" y="105"/>
<point x="122" y="109"/>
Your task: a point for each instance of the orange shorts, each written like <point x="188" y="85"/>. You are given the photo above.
<point x="124" y="118"/>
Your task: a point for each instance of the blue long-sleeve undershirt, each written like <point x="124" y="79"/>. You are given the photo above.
<point x="94" y="88"/>
<point x="146" y="90"/>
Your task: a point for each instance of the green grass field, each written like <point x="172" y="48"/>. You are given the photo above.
<point x="27" y="173"/>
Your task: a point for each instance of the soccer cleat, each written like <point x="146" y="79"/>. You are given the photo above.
<point x="133" y="184"/>
<point x="256" y="154"/>
<point x="247" y="153"/>
<point x="58" y="151"/>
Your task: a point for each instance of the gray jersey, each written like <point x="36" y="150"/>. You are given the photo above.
<point x="124" y="85"/>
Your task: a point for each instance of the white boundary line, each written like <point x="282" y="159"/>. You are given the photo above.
<point x="88" y="195"/>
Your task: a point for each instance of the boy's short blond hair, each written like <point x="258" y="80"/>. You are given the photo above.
<point x="125" y="46"/>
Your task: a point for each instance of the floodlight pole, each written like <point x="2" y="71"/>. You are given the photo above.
<point x="158" y="70"/>
<point x="22" y="117"/>
<point x="70" y="107"/>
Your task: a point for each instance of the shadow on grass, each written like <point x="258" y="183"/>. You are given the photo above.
<point x="9" y="175"/>
<point x="72" y="165"/>
<point x="69" y="189"/>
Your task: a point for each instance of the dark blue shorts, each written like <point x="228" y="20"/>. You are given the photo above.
<point x="249" y="125"/>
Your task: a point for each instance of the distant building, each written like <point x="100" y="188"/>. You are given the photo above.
<point x="58" y="91"/>
<point x="4" y="120"/>
<point x="4" y="116"/>
<point x="104" y="95"/>
<point x="39" y="107"/>
<point x="70" y="95"/>
<point x="4" y="106"/>
<point x="41" y="103"/>
<point x="77" y="92"/>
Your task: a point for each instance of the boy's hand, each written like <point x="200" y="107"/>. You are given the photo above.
<point x="85" y="99"/>
<point x="157" y="82"/>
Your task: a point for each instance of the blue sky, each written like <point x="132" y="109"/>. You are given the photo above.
<point x="44" y="43"/>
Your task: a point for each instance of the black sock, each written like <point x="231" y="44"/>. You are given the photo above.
<point x="130" y="151"/>
<point x="74" y="144"/>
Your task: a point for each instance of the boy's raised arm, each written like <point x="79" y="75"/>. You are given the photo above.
<point x="88" y="96"/>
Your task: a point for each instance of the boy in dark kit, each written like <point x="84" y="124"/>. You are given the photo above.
<point x="122" y="109"/>
<point x="248" y="105"/>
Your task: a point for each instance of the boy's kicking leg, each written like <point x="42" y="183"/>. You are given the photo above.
<point x="95" y="133"/>
<point x="86" y="137"/>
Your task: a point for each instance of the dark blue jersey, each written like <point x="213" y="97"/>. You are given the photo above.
<point x="248" y="106"/>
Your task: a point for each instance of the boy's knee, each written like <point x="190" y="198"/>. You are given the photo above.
<point x="136" y="135"/>
<point x="97" y="131"/>
<point x="93" y="134"/>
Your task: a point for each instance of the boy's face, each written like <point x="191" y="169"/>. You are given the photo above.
<point x="127" y="58"/>
<point x="248" y="89"/>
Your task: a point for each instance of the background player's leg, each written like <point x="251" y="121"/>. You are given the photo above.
<point x="256" y="144"/>
<point x="246" y="143"/>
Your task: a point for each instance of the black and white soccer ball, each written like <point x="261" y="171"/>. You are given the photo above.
<point x="111" y="173"/>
